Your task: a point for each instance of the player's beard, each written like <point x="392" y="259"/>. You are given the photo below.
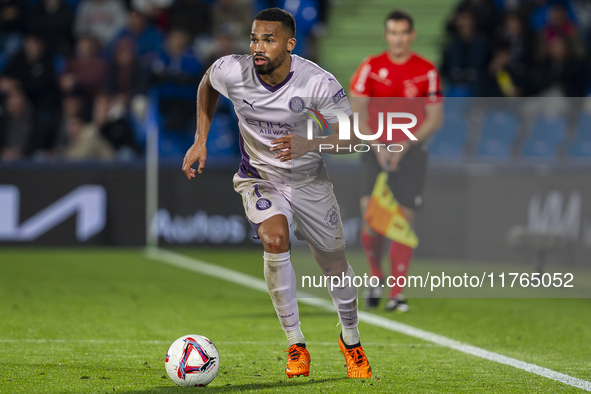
<point x="270" y="66"/>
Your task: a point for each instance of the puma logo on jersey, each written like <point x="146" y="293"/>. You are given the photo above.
<point x="251" y="104"/>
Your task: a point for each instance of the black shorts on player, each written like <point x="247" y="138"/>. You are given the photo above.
<point x="406" y="182"/>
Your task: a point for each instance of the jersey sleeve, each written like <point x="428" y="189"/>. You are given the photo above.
<point x="360" y="81"/>
<point x="220" y="73"/>
<point x="433" y="91"/>
<point x="332" y="96"/>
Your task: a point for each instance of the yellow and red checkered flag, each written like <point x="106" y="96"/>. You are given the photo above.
<point x="385" y="217"/>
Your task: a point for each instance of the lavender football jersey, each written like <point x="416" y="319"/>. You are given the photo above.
<point x="268" y="112"/>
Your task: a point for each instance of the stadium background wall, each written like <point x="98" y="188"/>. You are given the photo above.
<point x="467" y="215"/>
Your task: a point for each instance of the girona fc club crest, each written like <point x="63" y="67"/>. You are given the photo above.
<point x="296" y="104"/>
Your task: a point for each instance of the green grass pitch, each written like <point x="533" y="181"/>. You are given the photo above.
<point x="101" y="320"/>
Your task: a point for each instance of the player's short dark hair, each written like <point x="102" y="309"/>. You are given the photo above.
<point x="278" y="15"/>
<point x="401" y="15"/>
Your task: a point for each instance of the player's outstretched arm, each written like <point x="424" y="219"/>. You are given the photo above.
<point x="207" y="98"/>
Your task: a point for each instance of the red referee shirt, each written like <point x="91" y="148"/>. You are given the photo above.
<point x="416" y="79"/>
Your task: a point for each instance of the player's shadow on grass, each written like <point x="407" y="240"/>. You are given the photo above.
<point x="291" y="383"/>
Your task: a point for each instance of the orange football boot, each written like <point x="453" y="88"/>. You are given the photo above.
<point x="298" y="361"/>
<point x="357" y="364"/>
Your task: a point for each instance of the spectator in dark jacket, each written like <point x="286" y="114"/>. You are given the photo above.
<point x="16" y="125"/>
<point x="177" y="71"/>
<point x="33" y="70"/>
<point x="560" y="72"/>
<point x="516" y="32"/>
<point x="466" y="56"/>
<point x="504" y="77"/>
<point x="126" y="78"/>
<point x="53" y="20"/>
<point x="87" y="70"/>
<point x="12" y="27"/>
<point x="192" y="16"/>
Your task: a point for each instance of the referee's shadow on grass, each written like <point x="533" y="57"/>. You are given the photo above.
<point x="294" y="383"/>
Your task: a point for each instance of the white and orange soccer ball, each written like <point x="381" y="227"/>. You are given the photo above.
<point x="192" y="360"/>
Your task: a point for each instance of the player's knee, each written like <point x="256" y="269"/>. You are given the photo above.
<point x="275" y="242"/>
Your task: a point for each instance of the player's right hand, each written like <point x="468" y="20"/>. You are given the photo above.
<point x="196" y="153"/>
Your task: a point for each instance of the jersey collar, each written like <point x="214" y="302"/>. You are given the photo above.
<point x="274" y="88"/>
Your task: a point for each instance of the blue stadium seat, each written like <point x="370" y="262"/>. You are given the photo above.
<point x="552" y="129"/>
<point x="449" y="141"/>
<point x="583" y="130"/>
<point x="459" y="90"/>
<point x="580" y="147"/>
<point x="458" y="104"/>
<point x="547" y="134"/>
<point x="499" y="130"/>
<point x="539" y="149"/>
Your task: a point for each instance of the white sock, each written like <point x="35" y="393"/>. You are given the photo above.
<point x="350" y="335"/>
<point x="344" y="299"/>
<point x="281" y="282"/>
<point x="295" y="336"/>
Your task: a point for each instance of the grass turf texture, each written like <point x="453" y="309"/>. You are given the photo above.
<point x="100" y="320"/>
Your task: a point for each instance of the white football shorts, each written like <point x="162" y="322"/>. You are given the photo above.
<point x="312" y="209"/>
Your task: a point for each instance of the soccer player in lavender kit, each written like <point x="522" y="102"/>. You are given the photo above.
<point x="270" y="91"/>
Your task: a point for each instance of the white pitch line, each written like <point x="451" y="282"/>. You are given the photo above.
<point x="251" y="282"/>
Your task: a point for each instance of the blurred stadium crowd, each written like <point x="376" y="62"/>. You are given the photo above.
<point x="83" y="79"/>
<point x="79" y="78"/>
<point x="517" y="48"/>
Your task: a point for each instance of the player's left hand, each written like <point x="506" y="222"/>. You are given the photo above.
<point x="290" y="147"/>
